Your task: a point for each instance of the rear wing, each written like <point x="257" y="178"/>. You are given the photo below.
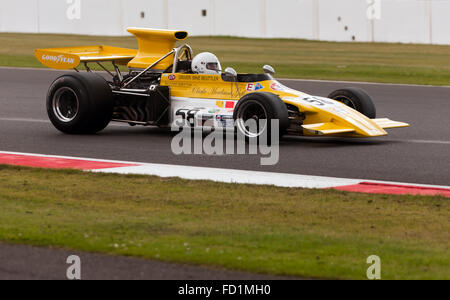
<point x="155" y="46"/>
<point x="70" y="58"/>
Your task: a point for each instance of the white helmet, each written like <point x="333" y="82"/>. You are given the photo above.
<point x="206" y="63"/>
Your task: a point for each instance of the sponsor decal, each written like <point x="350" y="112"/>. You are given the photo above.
<point x="198" y="77"/>
<point x="58" y="59"/>
<point x="259" y="86"/>
<point x="225" y="120"/>
<point x="211" y="91"/>
<point x="181" y="84"/>
<point x="254" y="87"/>
<point x="172" y="77"/>
<point x="220" y="104"/>
<point x="277" y="87"/>
<point x="229" y="105"/>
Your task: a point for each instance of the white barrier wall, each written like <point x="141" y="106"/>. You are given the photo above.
<point x="440" y="22"/>
<point x="344" y="22"/>
<point x="406" y="21"/>
<point x="22" y="16"/>
<point x="413" y="23"/>
<point x="293" y="19"/>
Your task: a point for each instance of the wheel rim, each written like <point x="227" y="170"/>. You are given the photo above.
<point x="252" y="110"/>
<point x="346" y="100"/>
<point x="65" y="104"/>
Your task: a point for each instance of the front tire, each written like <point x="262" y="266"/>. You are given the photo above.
<point x="357" y="99"/>
<point x="80" y="103"/>
<point x="262" y="108"/>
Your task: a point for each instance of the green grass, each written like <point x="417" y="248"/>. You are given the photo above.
<point x="377" y="62"/>
<point x="306" y="233"/>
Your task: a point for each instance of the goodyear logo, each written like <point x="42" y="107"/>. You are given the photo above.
<point x="58" y="59"/>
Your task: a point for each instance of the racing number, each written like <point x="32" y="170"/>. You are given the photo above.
<point x="316" y="101"/>
<point x="188" y="115"/>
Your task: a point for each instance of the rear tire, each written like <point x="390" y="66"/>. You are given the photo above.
<point x="357" y="99"/>
<point x="80" y="103"/>
<point x="261" y="106"/>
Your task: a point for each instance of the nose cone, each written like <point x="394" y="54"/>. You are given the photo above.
<point x="364" y="127"/>
<point x="320" y="110"/>
<point x="376" y="132"/>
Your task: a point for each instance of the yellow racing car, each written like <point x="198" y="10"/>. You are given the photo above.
<point x="166" y="84"/>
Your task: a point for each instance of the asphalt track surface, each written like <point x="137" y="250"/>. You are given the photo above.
<point x="19" y="262"/>
<point x="418" y="154"/>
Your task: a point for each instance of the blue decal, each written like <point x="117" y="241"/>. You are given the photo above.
<point x="259" y="86"/>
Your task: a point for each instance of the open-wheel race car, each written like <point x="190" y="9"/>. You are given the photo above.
<point x="166" y="84"/>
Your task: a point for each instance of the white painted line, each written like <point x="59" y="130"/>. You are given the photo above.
<point x="437" y="142"/>
<point x="330" y="139"/>
<point x="248" y="177"/>
<point x="26" y="120"/>
<point x="234" y="176"/>
<point x="230" y="175"/>
<point x="34" y="69"/>
<point x="214" y="174"/>
<point x="408" y="184"/>
<point x="362" y="82"/>
<point x="427" y="142"/>
<point x="23" y="120"/>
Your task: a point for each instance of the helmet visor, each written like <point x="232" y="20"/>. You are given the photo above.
<point x="213" y="66"/>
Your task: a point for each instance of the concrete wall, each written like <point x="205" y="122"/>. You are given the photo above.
<point x="406" y="21"/>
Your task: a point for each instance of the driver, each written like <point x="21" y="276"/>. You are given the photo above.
<point x="206" y="63"/>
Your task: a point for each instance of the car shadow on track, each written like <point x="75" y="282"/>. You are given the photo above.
<point x="286" y="141"/>
<point x="333" y="141"/>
